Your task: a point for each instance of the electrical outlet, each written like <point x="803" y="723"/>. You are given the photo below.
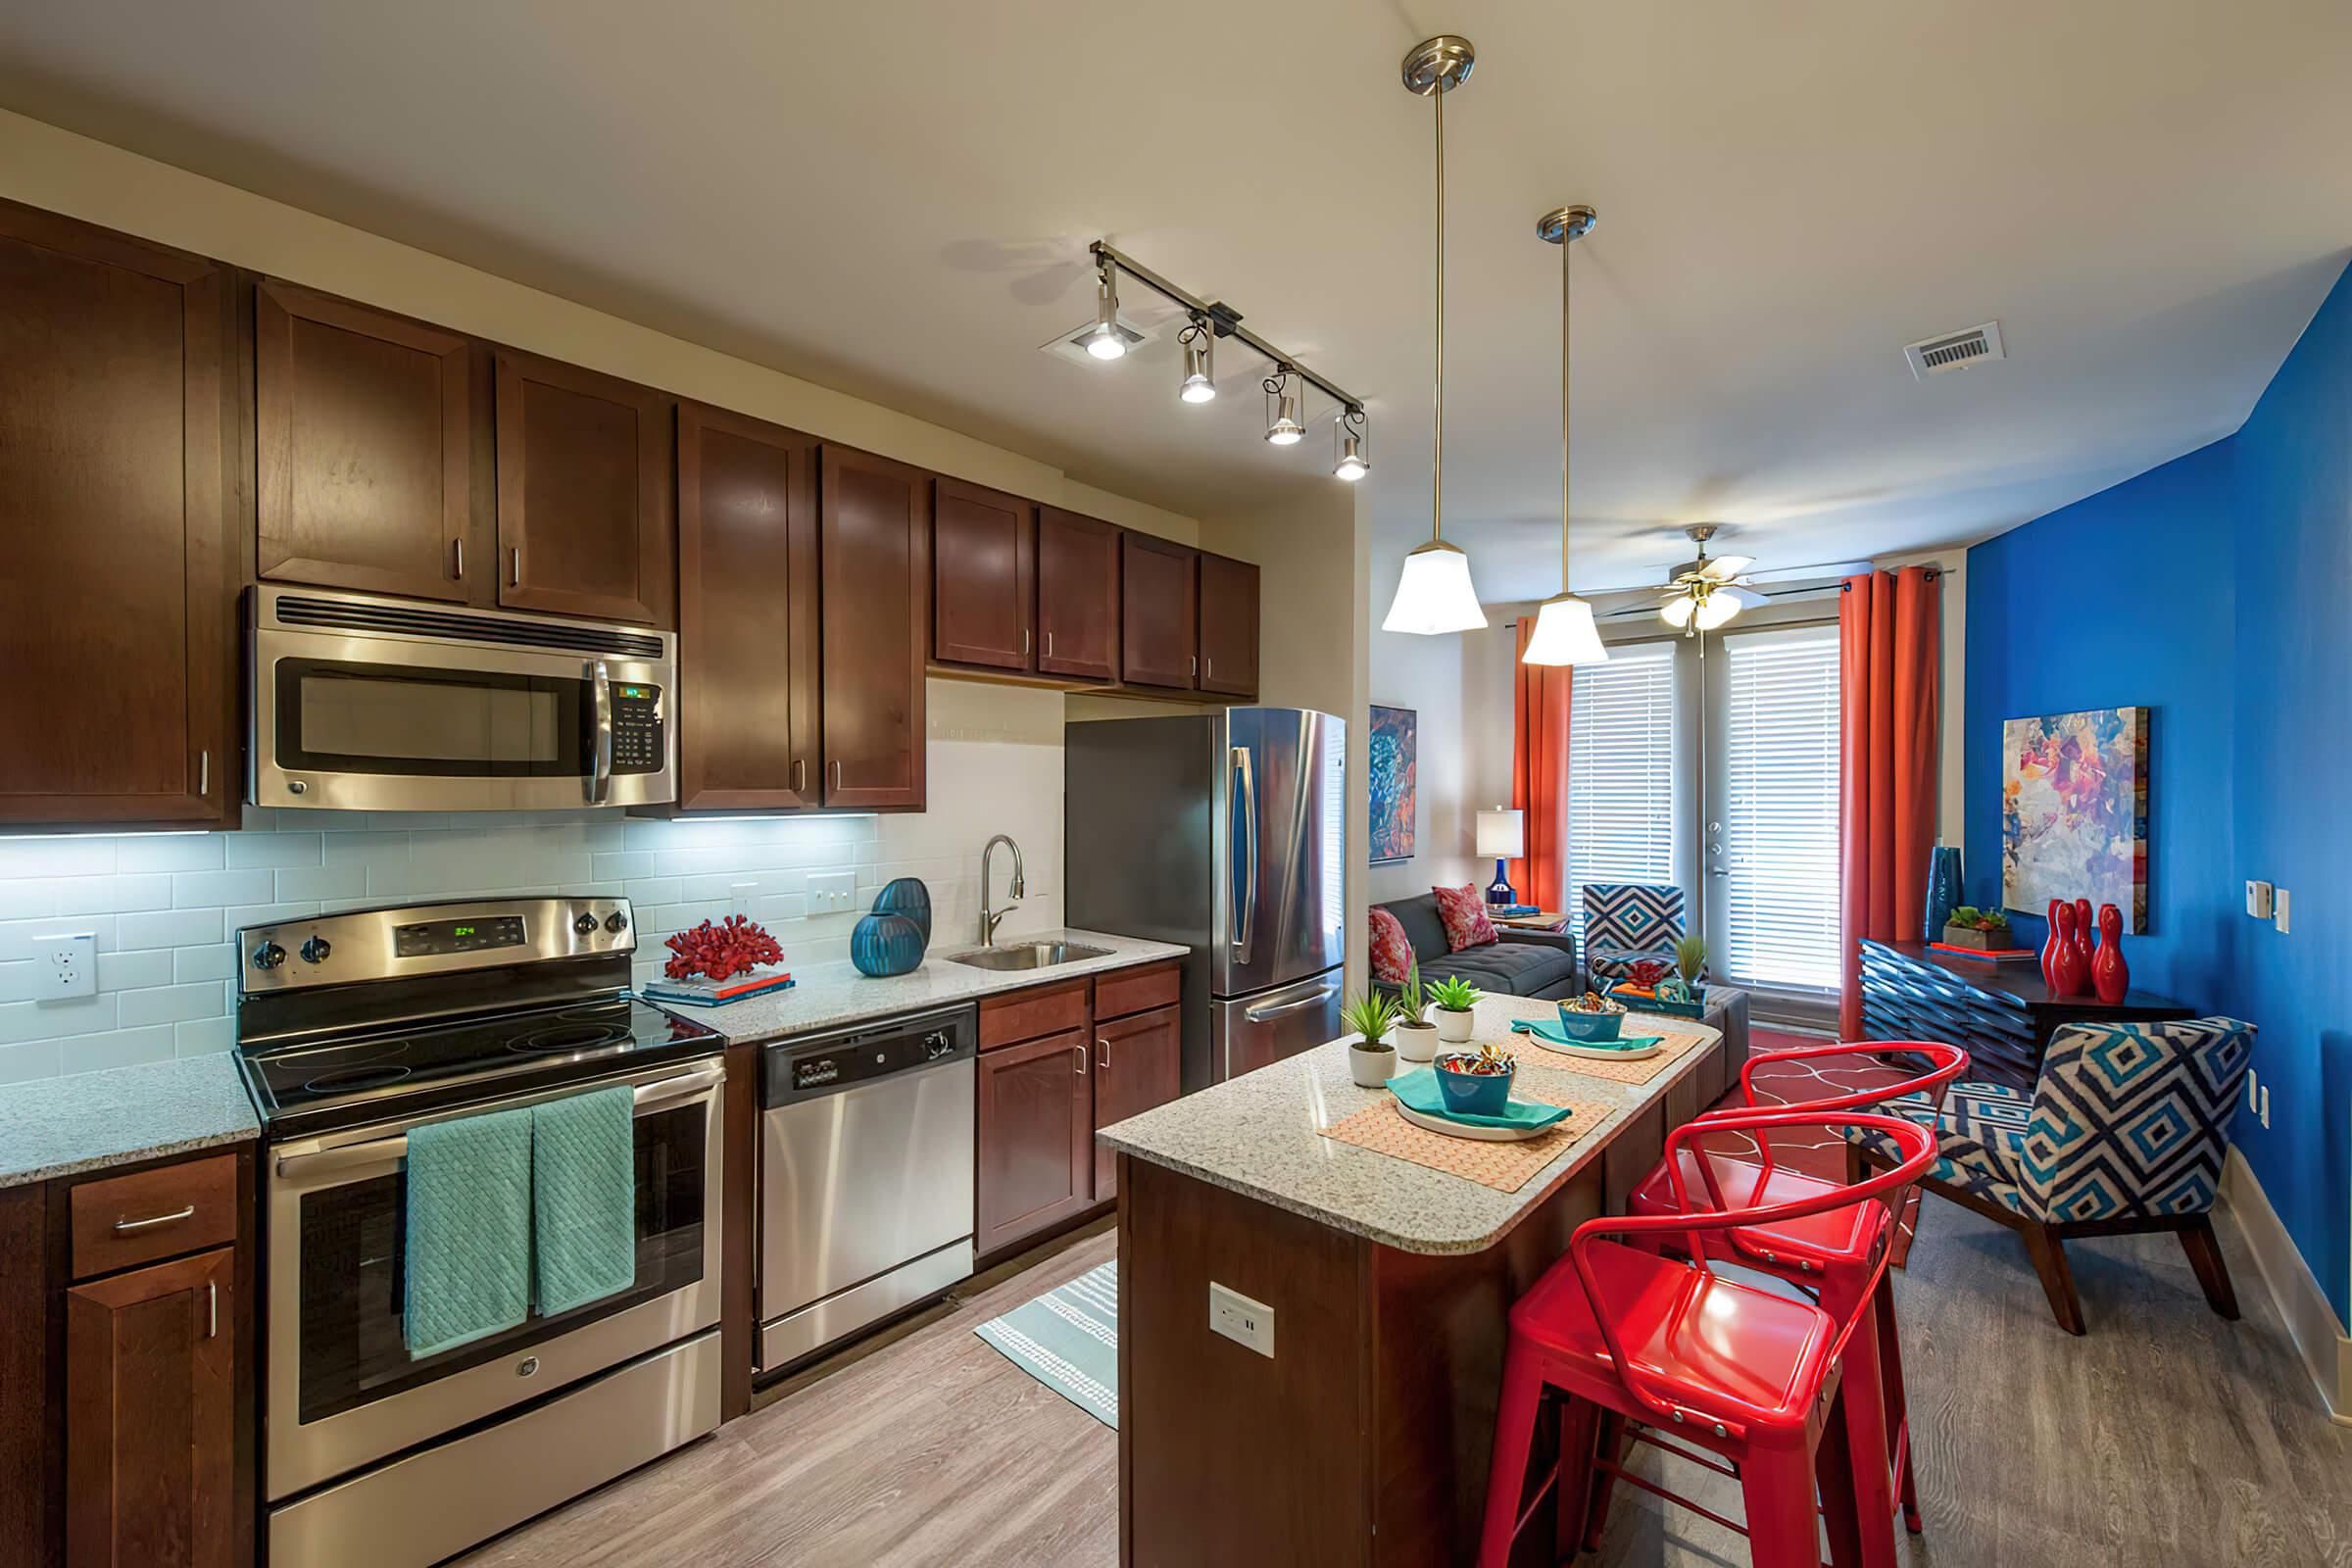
<point x="1247" y="1323"/>
<point x="73" y="969"/>
<point x="739" y="898"/>
<point x="830" y="892"/>
<point x="2279" y="909"/>
<point x="2264" y="1113"/>
<point x="2258" y="900"/>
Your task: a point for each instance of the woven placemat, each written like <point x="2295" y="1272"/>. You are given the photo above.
<point x="1505" y="1168"/>
<point x="1525" y="1049"/>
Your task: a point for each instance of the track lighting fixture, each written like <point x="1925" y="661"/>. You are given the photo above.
<point x="1347" y="430"/>
<point x="1105" y="341"/>
<point x="1199" y="373"/>
<point x="1283" y="427"/>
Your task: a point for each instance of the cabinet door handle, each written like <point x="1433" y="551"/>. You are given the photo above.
<point x="1212" y="666"/>
<point x="1080" y="1052"/>
<point x="1195" y="660"/>
<point x="1049" y="644"/>
<point x="800" y="775"/>
<point x="1024" y="642"/>
<point x="514" y="567"/>
<point x="131" y="1227"/>
<point x="457" y="548"/>
<point x="212" y="1309"/>
<point x="837" y="775"/>
<point x="1104" y="1045"/>
<point x="204" y="774"/>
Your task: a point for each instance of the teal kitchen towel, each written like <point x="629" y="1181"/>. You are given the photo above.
<point x="1546" y="1030"/>
<point x="584" y="1197"/>
<point x="469" y="1251"/>
<point x="1419" y="1089"/>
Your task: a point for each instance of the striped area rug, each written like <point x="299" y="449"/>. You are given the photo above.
<point x="1068" y="1339"/>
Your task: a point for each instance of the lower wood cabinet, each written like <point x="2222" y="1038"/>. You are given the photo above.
<point x="1139" y="1064"/>
<point x="1036" y="1134"/>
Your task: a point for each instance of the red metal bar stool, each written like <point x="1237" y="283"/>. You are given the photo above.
<point x="1829" y="1254"/>
<point x="1746" y="1376"/>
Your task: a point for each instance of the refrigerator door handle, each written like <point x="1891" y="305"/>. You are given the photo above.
<point x="1244" y="907"/>
<point x="1284" y="1010"/>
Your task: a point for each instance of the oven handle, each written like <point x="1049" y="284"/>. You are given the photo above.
<point x="649" y="1097"/>
<point x="599" y="777"/>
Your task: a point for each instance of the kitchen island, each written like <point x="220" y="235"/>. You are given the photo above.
<point x="1363" y="1438"/>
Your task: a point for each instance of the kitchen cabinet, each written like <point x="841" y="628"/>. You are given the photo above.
<point x="1228" y="627"/>
<point x="151" y="1374"/>
<point x="1158" y="629"/>
<point x="1139" y="1064"/>
<point x="364" y="440"/>
<point x="983" y="577"/>
<point x="748" y="605"/>
<point x="117" y="591"/>
<point x="1036" y="1131"/>
<point x="1077" y="596"/>
<point x="874" y="552"/>
<point x="585" y="526"/>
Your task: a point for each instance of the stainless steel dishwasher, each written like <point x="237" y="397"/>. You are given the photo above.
<point x="865" y="1176"/>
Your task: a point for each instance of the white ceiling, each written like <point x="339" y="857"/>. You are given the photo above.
<point x="894" y="199"/>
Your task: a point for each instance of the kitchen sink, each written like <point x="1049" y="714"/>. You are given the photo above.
<point x="1029" y="956"/>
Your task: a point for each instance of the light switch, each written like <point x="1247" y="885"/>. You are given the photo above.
<point x="1240" y="1319"/>
<point x="2258" y="900"/>
<point x="830" y="892"/>
<point x="2278" y="908"/>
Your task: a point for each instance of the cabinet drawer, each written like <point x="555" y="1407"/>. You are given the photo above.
<point x="161" y="1213"/>
<point x="1027" y="1014"/>
<point x="1135" y="990"/>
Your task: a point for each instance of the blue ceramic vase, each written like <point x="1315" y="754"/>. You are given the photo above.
<point x="886" y="943"/>
<point x="907" y="897"/>
<point x="1943" y="889"/>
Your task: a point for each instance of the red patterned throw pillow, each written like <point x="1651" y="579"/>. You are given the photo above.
<point x="1464" y="911"/>
<point x="1391" y="955"/>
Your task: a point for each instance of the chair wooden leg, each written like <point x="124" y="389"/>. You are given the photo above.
<point x="2057" y="1280"/>
<point x="2204" y="1252"/>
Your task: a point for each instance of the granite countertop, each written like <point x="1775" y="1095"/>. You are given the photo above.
<point x="1258" y="1135"/>
<point x="830" y="994"/>
<point x="61" y="1126"/>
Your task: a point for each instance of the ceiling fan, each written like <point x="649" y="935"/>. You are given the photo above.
<point x="1703" y="593"/>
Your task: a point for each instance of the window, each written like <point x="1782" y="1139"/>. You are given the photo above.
<point x="1621" y="772"/>
<point x="1779" y="839"/>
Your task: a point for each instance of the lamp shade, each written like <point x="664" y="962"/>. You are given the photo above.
<point x="1564" y="634"/>
<point x="1435" y="595"/>
<point x="1501" y="833"/>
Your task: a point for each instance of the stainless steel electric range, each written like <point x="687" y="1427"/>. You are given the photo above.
<point x="354" y="1029"/>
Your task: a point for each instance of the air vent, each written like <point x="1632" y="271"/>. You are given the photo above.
<point x="1953" y="350"/>
<point x="378" y="616"/>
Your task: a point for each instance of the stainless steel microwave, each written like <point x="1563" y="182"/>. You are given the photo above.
<point x="363" y="704"/>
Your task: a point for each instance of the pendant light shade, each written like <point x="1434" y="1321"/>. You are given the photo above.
<point x="1564" y="634"/>
<point x="1564" y="631"/>
<point x="1435" y="595"/>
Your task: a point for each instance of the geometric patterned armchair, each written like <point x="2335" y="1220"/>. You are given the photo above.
<point x="2125" y="1133"/>
<point x="1626" y="922"/>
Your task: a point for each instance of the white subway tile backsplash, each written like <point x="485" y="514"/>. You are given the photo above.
<point x="194" y="890"/>
<point x="180" y="929"/>
<point x="171" y="851"/>
<point x="120" y="1047"/>
<point x="310" y="882"/>
<point x="170" y="1003"/>
<point x="39" y="1059"/>
<point x="31" y="898"/>
<point x="201" y="1037"/>
<point x="113" y="895"/>
<point x="47" y="1020"/>
<point x="274" y="850"/>
<point x="61" y="856"/>
<point x="216" y="963"/>
<point x="128" y="971"/>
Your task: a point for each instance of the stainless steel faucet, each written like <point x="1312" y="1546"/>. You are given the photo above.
<point x="990" y="919"/>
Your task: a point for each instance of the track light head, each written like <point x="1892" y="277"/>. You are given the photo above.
<point x="1352" y="465"/>
<point x="1105" y="341"/>
<point x="1199" y="373"/>
<point x="1284" y="427"/>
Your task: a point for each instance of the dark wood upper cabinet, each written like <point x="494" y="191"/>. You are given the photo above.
<point x="1228" y="627"/>
<point x="365" y="446"/>
<point x="983" y="577"/>
<point x="748" y="634"/>
<point x="1139" y="1064"/>
<point x="117" y="592"/>
<point x="151" y="1407"/>
<point x="874" y="552"/>
<point x="1158" y="589"/>
<point x="1036" y="1131"/>
<point x="1077" y="596"/>
<point x="584" y="493"/>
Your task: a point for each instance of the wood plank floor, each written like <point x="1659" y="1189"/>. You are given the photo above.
<point x="2167" y="1435"/>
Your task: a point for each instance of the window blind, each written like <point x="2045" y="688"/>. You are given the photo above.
<point x="1780" y="809"/>
<point x="1621" y="772"/>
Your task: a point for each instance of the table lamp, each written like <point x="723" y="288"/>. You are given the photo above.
<point x="1501" y="833"/>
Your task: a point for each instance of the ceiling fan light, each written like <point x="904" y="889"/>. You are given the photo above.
<point x="1434" y="596"/>
<point x="1676" y="611"/>
<point x="1564" y="634"/>
<point x="1718" y="608"/>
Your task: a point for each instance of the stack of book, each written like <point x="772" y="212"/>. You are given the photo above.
<point x="701" y="991"/>
<point x="1987" y="954"/>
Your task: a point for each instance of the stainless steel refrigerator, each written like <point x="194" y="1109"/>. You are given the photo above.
<point x="1226" y="832"/>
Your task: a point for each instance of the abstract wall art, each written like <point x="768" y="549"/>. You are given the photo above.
<point x="1392" y="763"/>
<point x="2075" y="810"/>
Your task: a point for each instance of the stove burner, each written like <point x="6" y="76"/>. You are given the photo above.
<point x="358" y="1053"/>
<point x="569" y="1037"/>
<point x="344" y="1080"/>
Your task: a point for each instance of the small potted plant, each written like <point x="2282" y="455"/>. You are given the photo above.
<point x="1371" y="1060"/>
<point x="1416" y="1036"/>
<point x="1456" y="997"/>
<point x="1691" y="959"/>
<point x="1979" y="930"/>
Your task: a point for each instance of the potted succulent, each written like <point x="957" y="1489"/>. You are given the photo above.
<point x="1691" y="957"/>
<point x="1416" y="1036"/>
<point x="1456" y="997"/>
<point x="1981" y="930"/>
<point x="1371" y="1060"/>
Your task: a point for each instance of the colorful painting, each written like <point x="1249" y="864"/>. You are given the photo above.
<point x="2075" y="811"/>
<point x="1393" y="783"/>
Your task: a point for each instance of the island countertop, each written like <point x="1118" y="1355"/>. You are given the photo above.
<point x="1260" y="1135"/>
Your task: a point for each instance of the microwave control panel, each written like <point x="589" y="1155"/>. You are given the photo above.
<point x="637" y="743"/>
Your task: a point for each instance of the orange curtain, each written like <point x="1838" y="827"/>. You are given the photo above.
<point x="1540" y="775"/>
<point x="1888" y="634"/>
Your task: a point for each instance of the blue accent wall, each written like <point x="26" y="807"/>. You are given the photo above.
<point x="2216" y="591"/>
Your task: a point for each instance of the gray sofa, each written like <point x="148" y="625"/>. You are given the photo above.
<point x="1523" y="964"/>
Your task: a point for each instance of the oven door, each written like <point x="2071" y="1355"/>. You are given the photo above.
<point x="343" y="1390"/>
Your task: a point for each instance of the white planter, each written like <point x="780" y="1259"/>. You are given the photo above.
<point x="1371" y="1069"/>
<point x="1455" y="1027"/>
<point x="1416" y="1042"/>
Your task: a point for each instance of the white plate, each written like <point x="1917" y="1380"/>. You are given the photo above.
<point x="1596" y="1053"/>
<point x="1484" y="1134"/>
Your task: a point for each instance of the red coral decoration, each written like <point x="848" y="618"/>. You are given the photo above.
<point x="719" y="950"/>
<point x="1645" y="973"/>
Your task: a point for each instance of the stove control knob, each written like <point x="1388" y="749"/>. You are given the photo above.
<point x="269" y="956"/>
<point x="617" y="922"/>
<point x="584" y="924"/>
<point x="315" y="949"/>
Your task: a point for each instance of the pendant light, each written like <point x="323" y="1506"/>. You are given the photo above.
<point x="1564" y="632"/>
<point x="1433" y="594"/>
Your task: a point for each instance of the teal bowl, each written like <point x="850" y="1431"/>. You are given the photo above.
<point x="1590" y="1028"/>
<point x="1470" y="1094"/>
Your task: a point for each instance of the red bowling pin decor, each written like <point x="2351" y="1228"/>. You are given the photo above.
<point x="2069" y="975"/>
<point x="2050" y="950"/>
<point x="2082" y="931"/>
<point x="2110" y="975"/>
